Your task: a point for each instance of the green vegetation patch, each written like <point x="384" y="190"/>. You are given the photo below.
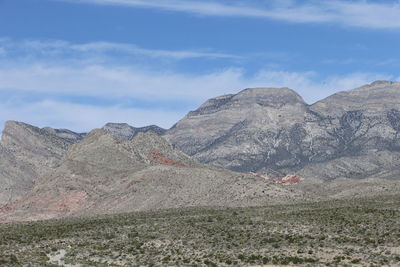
<point x="363" y="232"/>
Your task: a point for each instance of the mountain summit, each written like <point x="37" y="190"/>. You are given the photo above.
<point x="273" y="131"/>
<point x="26" y="153"/>
<point x="374" y="98"/>
<point x="125" y="131"/>
<point x="106" y="174"/>
<point x="216" y="131"/>
<point x="262" y="133"/>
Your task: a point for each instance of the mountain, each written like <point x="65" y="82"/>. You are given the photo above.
<point x="255" y="134"/>
<point x="67" y="135"/>
<point x="26" y="152"/>
<point x="351" y="134"/>
<point x="125" y="131"/>
<point x="106" y="174"/>
<point x="254" y="130"/>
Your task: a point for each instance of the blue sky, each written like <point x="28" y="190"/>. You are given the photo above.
<point x="81" y="63"/>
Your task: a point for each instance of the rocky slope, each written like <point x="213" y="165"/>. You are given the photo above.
<point x="106" y="174"/>
<point x="26" y="152"/>
<point x="47" y="173"/>
<point x="273" y="131"/>
<point x="67" y="135"/>
<point x="125" y="131"/>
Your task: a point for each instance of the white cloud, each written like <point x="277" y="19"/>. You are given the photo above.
<point x="133" y="49"/>
<point x="82" y="95"/>
<point x="117" y="82"/>
<point x="349" y="13"/>
<point x="54" y="47"/>
<point x="133" y="82"/>
<point x="312" y="87"/>
<point x="82" y="118"/>
<point x="110" y="83"/>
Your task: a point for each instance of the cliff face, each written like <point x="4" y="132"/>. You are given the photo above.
<point x="240" y="132"/>
<point x="105" y="174"/>
<point x="26" y="152"/>
<point x="49" y="173"/>
<point x="359" y="131"/>
<point x="272" y="131"/>
<point x="125" y="131"/>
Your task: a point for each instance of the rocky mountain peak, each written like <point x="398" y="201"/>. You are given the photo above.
<point x="17" y="134"/>
<point x="126" y="131"/>
<point x="95" y="139"/>
<point x="376" y="86"/>
<point x="269" y="96"/>
<point x="121" y="130"/>
<point x="28" y="152"/>
<point x="103" y="173"/>
<point x="272" y="131"/>
<point x="381" y="82"/>
<point x="14" y="128"/>
<point x="374" y="98"/>
<point x="103" y="148"/>
<point x="263" y="97"/>
<point x="67" y="135"/>
<point x="100" y="148"/>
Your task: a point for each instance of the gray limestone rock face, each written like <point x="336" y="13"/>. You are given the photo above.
<point x="238" y="131"/>
<point x="372" y="99"/>
<point x="105" y="174"/>
<point x="67" y="135"/>
<point x="15" y="176"/>
<point x="273" y="131"/>
<point x="352" y="134"/>
<point x="125" y="131"/>
<point x="26" y="152"/>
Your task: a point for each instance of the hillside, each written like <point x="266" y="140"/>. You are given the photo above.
<point x="105" y="174"/>
<point x="26" y="152"/>
<point x="236" y="149"/>
<point x="351" y="134"/>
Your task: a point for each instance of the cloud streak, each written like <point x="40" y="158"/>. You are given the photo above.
<point x="348" y="13"/>
<point x="118" y="86"/>
<point x="83" y="118"/>
<point x="55" y="47"/>
<point x="85" y="94"/>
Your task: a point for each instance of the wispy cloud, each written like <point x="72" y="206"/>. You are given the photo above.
<point x="79" y="117"/>
<point x="133" y="49"/>
<point x="53" y="47"/>
<point x="117" y="85"/>
<point x="84" y="94"/>
<point x="349" y="13"/>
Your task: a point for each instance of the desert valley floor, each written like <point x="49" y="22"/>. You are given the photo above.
<point x="361" y="232"/>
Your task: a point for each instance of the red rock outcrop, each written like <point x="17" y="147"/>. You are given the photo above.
<point x="160" y="158"/>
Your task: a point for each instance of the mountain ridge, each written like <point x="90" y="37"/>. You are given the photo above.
<point x="289" y="137"/>
<point x="256" y="136"/>
<point x="107" y="174"/>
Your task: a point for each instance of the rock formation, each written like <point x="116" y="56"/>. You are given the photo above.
<point x="272" y="131"/>
<point x="67" y="135"/>
<point x="106" y="174"/>
<point x="125" y="131"/>
<point x="270" y="136"/>
<point x="26" y="152"/>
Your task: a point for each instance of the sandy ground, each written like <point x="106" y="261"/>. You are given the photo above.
<point x="57" y="258"/>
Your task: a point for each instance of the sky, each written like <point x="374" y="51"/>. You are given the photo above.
<point x="79" y="64"/>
